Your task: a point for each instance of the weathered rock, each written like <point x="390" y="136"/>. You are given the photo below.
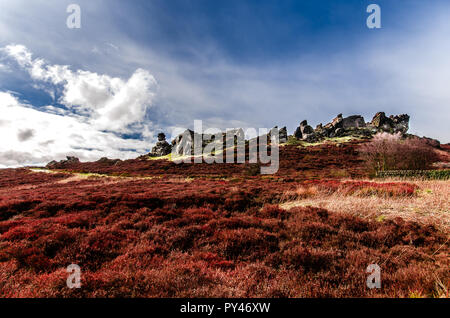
<point x="72" y="160"/>
<point x="329" y="129"/>
<point x="382" y="123"/>
<point x="298" y="133"/>
<point x="185" y="143"/>
<point x="283" y="135"/>
<point x="339" y="132"/>
<point x="305" y="132"/>
<point x="58" y="165"/>
<point x="338" y="122"/>
<point x="321" y="131"/>
<point x="355" y="121"/>
<point x="306" y="129"/>
<point x="162" y="147"/>
<point x="311" y="137"/>
<point x="51" y="164"/>
<point x="379" y="120"/>
<point x="391" y="124"/>
<point x="400" y="123"/>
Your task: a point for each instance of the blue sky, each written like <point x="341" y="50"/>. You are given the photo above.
<point x="138" y="67"/>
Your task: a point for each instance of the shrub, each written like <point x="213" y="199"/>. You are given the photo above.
<point x="391" y="152"/>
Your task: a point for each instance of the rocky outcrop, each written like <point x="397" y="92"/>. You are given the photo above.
<point x="162" y="147"/>
<point x="391" y="124"/>
<point x="355" y="121"/>
<point x="61" y="164"/>
<point x="340" y="126"/>
<point x="354" y="125"/>
<point x="330" y="129"/>
<point x="306" y="132"/>
<point x="283" y="135"/>
<point x="184" y="144"/>
<point x="337" y="122"/>
<point x="400" y="123"/>
<point x="298" y="133"/>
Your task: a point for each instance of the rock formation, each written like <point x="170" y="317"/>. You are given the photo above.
<point x="283" y="135"/>
<point x="162" y="147"/>
<point x="56" y="165"/>
<point x="355" y="121"/>
<point x="184" y="144"/>
<point x="391" y="124"/>
<point x="353" y="126"/>
<point x="340" y="126"/>
<point x="306" y="132"/>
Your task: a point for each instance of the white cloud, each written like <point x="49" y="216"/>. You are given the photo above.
<point x="36" y="137"/>
<point x="111" y="103"/>
<point x="99" y="109"/>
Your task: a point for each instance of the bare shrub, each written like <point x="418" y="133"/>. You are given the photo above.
<point x="392" y="152"/>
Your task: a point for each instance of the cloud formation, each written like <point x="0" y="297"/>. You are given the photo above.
<point x="110" y="103"/>
<point x="246" y="64"/>
<point x="36" y="137"/>
<point x="99" y="110"/>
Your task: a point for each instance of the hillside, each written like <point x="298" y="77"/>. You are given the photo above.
<point x="152" y="228"/>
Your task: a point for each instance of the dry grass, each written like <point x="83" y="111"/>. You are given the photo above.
<point x="431" y="204"/>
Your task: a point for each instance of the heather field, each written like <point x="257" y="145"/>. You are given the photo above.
<point x="152" y="228"/>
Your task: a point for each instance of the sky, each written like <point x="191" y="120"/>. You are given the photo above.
<point x="136" y="68"/>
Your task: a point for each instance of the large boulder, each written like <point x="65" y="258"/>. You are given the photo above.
<point x="400" y="123"/>
<point x="283" y="135"/>
<point x="338" y="122"/>
<point x="298" y="133"/>
<point x="162" y="147"/>
<point x="329" y="130"/>
<point x="305" y="128"/>
<point x="355" y="121"/>
<point x="303" y="131"/>
<point x="381" y="122"/>
<point x="308" y="133"/>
